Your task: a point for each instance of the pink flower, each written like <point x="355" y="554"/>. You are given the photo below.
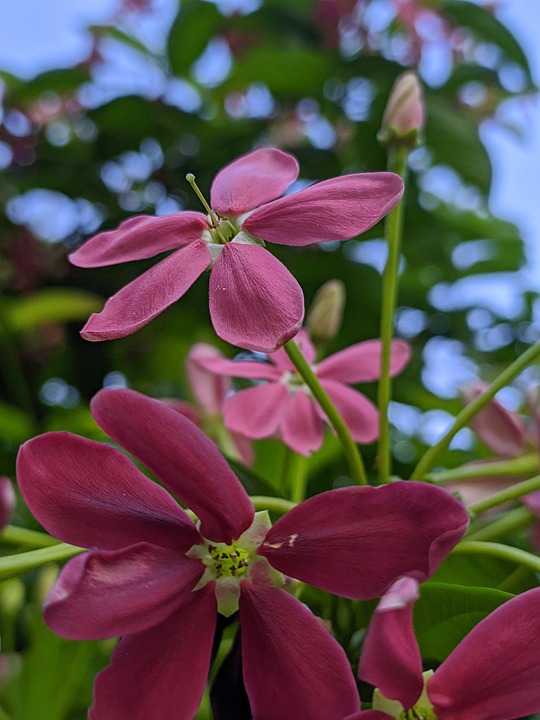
<point x="7" y="501"/>
<point x="255" y="302"/>
<point x="491" y="675"/>
<point x="283" y="405"/>
<point x="209" y="391"/>
<point x="157" y="578"/>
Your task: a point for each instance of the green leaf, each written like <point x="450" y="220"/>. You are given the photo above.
<point x="485" y="26"/>
<point x="51" y="305"/>
<point x="446" y="613"/>
<point x="61" y="81"/>
<point x="195" y="25"/>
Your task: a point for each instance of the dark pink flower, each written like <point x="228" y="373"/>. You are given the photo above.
<point x="284" y="406"/>
<point x="209" y="390"/>
<point x="157" y="578"/>
<point x="255" y="302"/>
<point x="7" y="501"/>
<point x="491" y="675"/>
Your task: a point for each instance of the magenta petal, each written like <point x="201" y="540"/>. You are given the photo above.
<point x="301" y="428"/>
<point x="356" y="541"/>
<point x="293" y="668"/>
<point x="104" y="594"/>
<point x="502" y="431"/>
<point x="256" y="412"/>
<point x="252" y="180"/>
<point x="390" y="657"/>
<point x="281" y="359"/>
<point x="254" y="370"/>
<point x="255" y="303"/>
<point x="359" y="413"/>
<point x="208" y="388"/>
<point x="362" y="362"/>
<point x="89" y="494"/>
<point x="160" y="673"/>
<point x="140" y="237"/>
<point x="148" y="295"/>
<point x="369" y="715"/>
<point x="181" y="456"/>
<point x="335" y="209"/>
<point x="493" y="672"/>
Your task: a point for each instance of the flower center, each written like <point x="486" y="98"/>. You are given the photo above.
<point x="226" y="560"/>
<point x="294" y="382"/>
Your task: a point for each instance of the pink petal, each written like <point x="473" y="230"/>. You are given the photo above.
<point x="335" y="209"/>
<point x="252" y="369"/>
<point x="476" y="489"/>
<point x="356" y="541"/>
<point x="292" y="665"/>
<point x="104" y="594"/>
<point x="301" y="427"/>
<point x="256" y="412"/>
<point x="148" y="295"/>
<point x="255" y="303"/>
<point x="244" y="448"/>
<point x="493" y="672"/>
<point x="359" y="413"/>
<point x="7" y="501"/>
<point x="160" y="673"/>
<point x="252" y="180"/>
<point x="89" y="494"/>
<point x="390" y="657"/>
<point x="185" y="409"/>
<point x="362" y="362"/>
<point x="208" y="388"/>
<point x="502" y="431"/>
<point x="181" y="456"/>
<point x="140" y="237"/>
<point x="281" y="359"/>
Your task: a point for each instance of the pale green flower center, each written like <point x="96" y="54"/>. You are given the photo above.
<point x="423" y="710"/>
<point x="226" y="560"/>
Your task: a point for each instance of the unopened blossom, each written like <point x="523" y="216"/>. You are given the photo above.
<point x="403" y="118"/>
<point x="209" y="391"/>
<point x="255" y="302"/>
<point x="283" y="406"/>
<point x="491" y="675"/>
<point x="7" y="501"/>
<point x="158" y="579"/>
<point x="325" y="315"/>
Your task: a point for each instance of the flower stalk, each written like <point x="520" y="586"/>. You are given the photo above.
<point x="22" y="537"/>
<point x="508" y="523"/>
<point x="510" y="493"/>
<point x="23" y="562"/>
<point x="487" y="470"/>
<point x="504" y="552"/>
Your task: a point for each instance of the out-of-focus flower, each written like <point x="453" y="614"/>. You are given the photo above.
<point x="157" y="578"/>
<point x="209" y="391"/>
<point x="403" y="118"/>
<point x="7" y="501"/>
<point x="284" y="406"/>
<point x="255" y="302"/>
<point x="323" y="321"/>
<point x="491" y="675"/>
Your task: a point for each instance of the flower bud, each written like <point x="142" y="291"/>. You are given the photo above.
<point x="403" y="118"/>
<point x="7" y="501"/>
<point x="326" y="311"/>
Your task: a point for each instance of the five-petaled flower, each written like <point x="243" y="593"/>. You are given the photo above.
<point x="284" y="406"/>
<point x="491" y="675"/>
<point x="255" y="302"/>
<point x="157" y="578"/>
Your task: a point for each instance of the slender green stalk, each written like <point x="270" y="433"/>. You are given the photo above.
<point x="397" y="162"/>
<point x="470" y="410"/>
<point x="354" y="459"/>
<point x="511" y="493"/>
<point x="23" y="562"/>
<point x="26" y="538"/>
<point x="275" y="504"/>
<point x="504" y="552"/>
<point x="508" y="523"/>
<point x="513" y="581"/>
<point x="294" y="474"/>
<point x="486" y="470"/>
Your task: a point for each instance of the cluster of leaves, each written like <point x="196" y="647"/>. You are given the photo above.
<point x="312" y="77"/>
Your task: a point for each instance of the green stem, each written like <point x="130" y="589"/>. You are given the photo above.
<point x="486" y="470"/>
<point x="23" y="562"/>
<point x="26" y="538"/>
<point x="510" y="493"/>
<point x="504" y="552"/>
<point x="354" y="460"/>
<point x="397" y="162"/>
<point x="470" y="410"/>
<point x="508" y="523"/>
<point x="294" y="474"/>
<point x="279" y="505"/>
<point x="513" y="581"/>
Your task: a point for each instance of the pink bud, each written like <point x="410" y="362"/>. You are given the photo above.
<point x="326" y="312"/>
<point x="403" y="118"/>
<point x="7" y="501"/>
